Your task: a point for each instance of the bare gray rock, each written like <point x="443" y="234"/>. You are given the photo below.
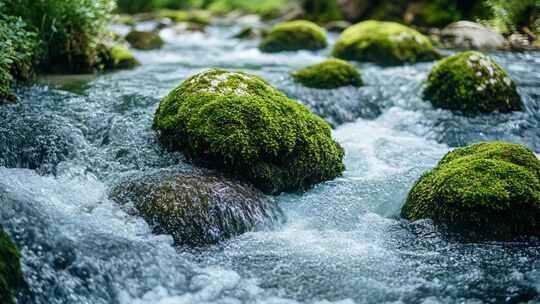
<point x="470" y="35"/>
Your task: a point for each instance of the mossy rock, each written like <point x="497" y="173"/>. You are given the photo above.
<point x="144" y="40"/>
<point x="487" y="190"/>
<point x="471" y="82"/>
<point x="10" y="269"/>
<point x="195" y="208"/>
<point x="118" y="57"/>
<point x="329" y="74"/>
<point x="385" y="43"/>
<point x="294" y="36"/>
<point x="240" y="124"/>
<point x="185" y="16"/>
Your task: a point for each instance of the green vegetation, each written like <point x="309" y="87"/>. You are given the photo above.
<point x="329" y="74"/>
<point x="471" y="82"/>
<point x="241" y="125"/>
<point x="18" y="53"/>
<point x="184" y="16"/>
<point x="322" y="11"/>
<point x="69" y="30"/>
<point x="515" y="16"/>
<point x="266" y="9"/>
<point x="10" y="269"/>
<point x="385" y="43"/>
<point x="293" y="36"/>
<point x="487" y="190"/>
<point x="144" y="40"/>
<point x="117" y="57"/>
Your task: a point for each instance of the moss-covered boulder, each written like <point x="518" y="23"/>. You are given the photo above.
<point x="10" y="269"/>
<point x="240" y="124"/>
<point x="487" y="190"/>
<point x="197" y="209"/>
<point x="385" y="43"/>
<point x="144" y="40"/>
<point x="329" y="74"/>
<point x="471" y="82"/>
<point x="293" y="36"/>
<point x="117" y="57"/>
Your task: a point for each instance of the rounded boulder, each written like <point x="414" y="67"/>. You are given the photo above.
<point x="241" y="125"/>
<point x="486" y="190"/>
<point x="384" y="43"/>
<point x="471" y="82"/>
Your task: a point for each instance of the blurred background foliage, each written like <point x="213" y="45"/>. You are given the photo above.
<point x="64" y="35"/>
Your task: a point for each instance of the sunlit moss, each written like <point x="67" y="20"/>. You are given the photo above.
<point x="385" y="43"/>
<point x="242" y="125"/>
<point x="294" y="35"/>
<point x="471" y="82"/>
<point x="329" y="74"/>
<point x="10" y="269"/>
<point x="118" y="57"/>
<point x="489" y="190"/>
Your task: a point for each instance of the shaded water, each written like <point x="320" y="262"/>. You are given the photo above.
<point x="63" y="147"/>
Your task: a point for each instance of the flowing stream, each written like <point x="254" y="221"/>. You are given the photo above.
<point x="69" y="140"/>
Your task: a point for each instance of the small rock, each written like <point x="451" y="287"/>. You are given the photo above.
<point x="294" y="36"/>
<point x="518" y="41"/>
<point x="470" y="35"/>
<point x="329" y="74"/>
<point x="144" y="40"/>
<point x="337" y="26"/>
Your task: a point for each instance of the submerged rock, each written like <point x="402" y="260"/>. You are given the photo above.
<point x="240" y="124"/>
<point x="197" y="209"/>
<point x="117" y="57"/>
<point x="293" y="36"/>
<point x="471" y="82"/>
<point x="329" y="74"/>
<point x="470" y="35"/>
<point x="144" y="40"/>
<point x="10" y="269"/>
<point x="247" y="32"/>
<point x="487" y="190"/>
<point x="337" y="26"/>
<point x="386" y="43"/>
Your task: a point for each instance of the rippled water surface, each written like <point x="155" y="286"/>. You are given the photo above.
<point x="68" y="141"/>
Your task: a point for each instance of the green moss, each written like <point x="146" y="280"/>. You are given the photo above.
<point x="68" y="29"/>
<point x="144" y="40"/>
<point x="293" y="36"/>
<point x="471" y="82"/>
<point x="185" y="16"/>
<point x="10" y="268"/>
<point x="241" y="125"/>
<point x="330" y="74"/>
<point x="488" y="190"/>
<point x="118" y="57"/>
<point x="385" y="43"/>
<point x="268" y="9"/>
